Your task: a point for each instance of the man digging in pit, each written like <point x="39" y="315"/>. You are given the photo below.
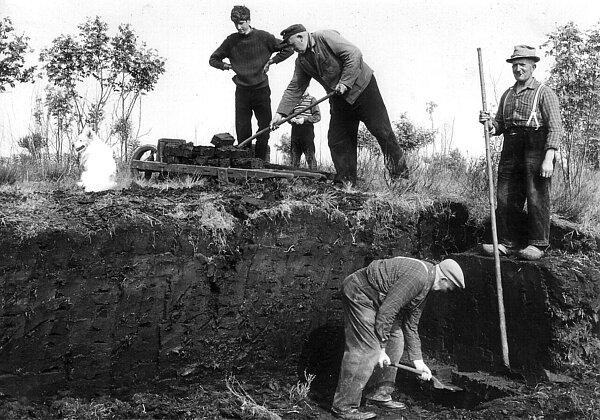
<point x="382" y="306"/>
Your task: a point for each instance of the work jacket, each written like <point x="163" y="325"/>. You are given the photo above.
<point x="402" y="285"/>
<point x="329" y="59"/>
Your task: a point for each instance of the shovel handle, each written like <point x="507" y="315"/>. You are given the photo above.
<point x="436" y="382"/>
<point x="286" y="119"/>
<point x="407" y="368"/>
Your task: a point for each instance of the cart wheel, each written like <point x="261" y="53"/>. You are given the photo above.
<point x="146" y="153"/>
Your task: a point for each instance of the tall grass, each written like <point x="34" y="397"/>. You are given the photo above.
<point x="433" y="177"/>
<point x="24" y="168"/>
<point x="578" y="203"/>
<point x="47" y="170"/>
<point x="452" y="176"/>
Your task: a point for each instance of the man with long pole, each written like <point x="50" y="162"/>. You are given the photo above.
<point x="529" y="117"/>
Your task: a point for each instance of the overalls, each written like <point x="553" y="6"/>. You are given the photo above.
<point x="519" y="180"/>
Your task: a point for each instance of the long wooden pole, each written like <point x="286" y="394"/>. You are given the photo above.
<point x="500" y="293"/>
<point x="286" y="119"/>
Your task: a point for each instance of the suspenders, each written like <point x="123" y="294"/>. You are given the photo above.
<point x="533" y="115"/>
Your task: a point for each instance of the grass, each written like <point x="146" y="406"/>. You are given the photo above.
<point x="578" y="203"/>
<point x="248" y="406"/>
<point x="8" y="175"/>
<point x="434" y="178"/>
<point x="210" y="217"/>
<point x="300" y="391"/>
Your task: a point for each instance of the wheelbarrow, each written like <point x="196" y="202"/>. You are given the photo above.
<point x="149" y="159"/>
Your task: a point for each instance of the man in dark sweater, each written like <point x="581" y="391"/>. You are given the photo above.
<point x="249" y="51"/>
<point x="382" y="306"/>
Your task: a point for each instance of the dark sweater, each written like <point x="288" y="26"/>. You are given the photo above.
<point x="248" y="55"/>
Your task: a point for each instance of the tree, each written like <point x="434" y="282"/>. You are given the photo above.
<point x="138" y="69"/>
<point x="430" y="108"/>
<point x="34" y="143"/>
<point x="116" y="69"/>
<point x="285" y="148"/>
<point x="60" y="108"/>
<point x="366" y="142"/>
<point x="408" y="134"/>
<point x="575" y="77"/>
<point x="12" y="56"/>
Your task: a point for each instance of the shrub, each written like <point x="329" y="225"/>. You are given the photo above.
<point x="579" y="204"/>
<point x="8" y="174"/>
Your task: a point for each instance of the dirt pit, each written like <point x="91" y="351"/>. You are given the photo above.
<point x="212" y="301"/>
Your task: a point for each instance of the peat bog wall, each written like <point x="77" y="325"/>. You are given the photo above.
<point x="143" y="303"/>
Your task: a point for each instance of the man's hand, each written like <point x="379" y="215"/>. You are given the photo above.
<point x="547" y="167"/>
<point x="274" y="124"/>
<point x="420" y="365"/>
<point x="341" y="88"/>
<point x="266" y="67"/>
<point x="298" y="120"/>
<point x="485" y="117"/>
<point x="384" y="359"/>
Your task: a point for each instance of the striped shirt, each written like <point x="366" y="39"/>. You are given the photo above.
<point x="516" y="107"/>
<point x="312" y="115"/>
<point x="403" y="285"/>
<point x="248" y="55"/>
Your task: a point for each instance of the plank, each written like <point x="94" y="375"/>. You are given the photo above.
<point x="208" y="170"/>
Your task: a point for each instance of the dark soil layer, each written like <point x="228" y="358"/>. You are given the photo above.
<point x="147" y="303"/>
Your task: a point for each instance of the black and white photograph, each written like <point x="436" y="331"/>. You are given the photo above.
<point x="276" y="210"/>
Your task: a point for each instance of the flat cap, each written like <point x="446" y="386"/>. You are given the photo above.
<point x="452" y="271"/>
<point x="292" y="30"/>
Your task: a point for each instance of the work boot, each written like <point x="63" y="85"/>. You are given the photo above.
<point x="389" y="404"/>
<point x="354" y="414"/>
<point x="530" y="253"/>
<point x="503" y="250"/>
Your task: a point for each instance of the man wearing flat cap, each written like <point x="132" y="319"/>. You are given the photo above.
<point x="382" y="306"/>
<point x="250" y="54"/>
<point x="338" y="66"/>
<point x="529" y="118"/>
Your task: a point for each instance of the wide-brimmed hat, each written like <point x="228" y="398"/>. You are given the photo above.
<point x="452" y="271"/>
<point x="523" y="51"/>
<point x="292" y="30"/>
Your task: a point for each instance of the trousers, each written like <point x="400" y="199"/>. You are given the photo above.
<point x="257" y="101"/>
<point x="302" y="141"/>
<point x="519" y="181"/>
<point x="359" y="370"/>
<point x="343" y="131"/>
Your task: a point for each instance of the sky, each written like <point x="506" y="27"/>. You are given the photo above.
<point x="420" y="50"/>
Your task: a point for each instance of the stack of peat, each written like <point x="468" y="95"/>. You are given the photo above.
<point x="223" y="154"/>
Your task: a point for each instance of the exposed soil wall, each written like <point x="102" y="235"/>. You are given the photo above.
<point x="114" y="295"/>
